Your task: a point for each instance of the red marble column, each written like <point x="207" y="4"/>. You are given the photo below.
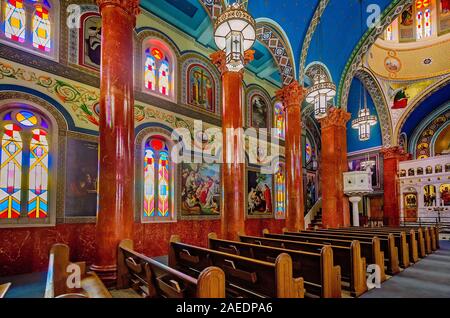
<point x="116" y="178"/>
<point x="335" y="208"/>
<point x="391" y="207"/>
<point x="292" y="97"/>
<point x="233" y="168"/>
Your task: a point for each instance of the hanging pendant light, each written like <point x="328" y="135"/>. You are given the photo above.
<point x="320" y="94"/>
<point x="235" y="33"/>
<point x="364" y="120"/>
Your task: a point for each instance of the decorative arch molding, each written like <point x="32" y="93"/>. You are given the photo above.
<point x="314" y="67"/>
<point x="436" y="136"/>
<point x="381" y="105"/>
<point x="419" y="100"/>
<point x="363" y="46"/>
<point x="308" y="37"/>
<point x="273" y="37"/>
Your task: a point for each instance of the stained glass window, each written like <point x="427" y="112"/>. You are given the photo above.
<point x="308" y="152"/>
<point x="389" y="33"/>
<point x="280" y="120"/>
<point x="280" y="192"/>
<point x="38" y="175"/>
<point x="41" y="29"/>
<point x="11" y="172"/>
<point x="15" y="20"/>
<point x="24" y="170"/>
<point x="157" y="71"/>
<point x="423" y="19"/>
<point x="157" y="182"/>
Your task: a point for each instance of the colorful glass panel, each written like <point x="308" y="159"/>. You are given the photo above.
<point x="10" y="172"/>
<point x="26" y="118"/>
<point x="38" y="175"/>
<point x="164" y="78"/>
<point x="280" y="120"/>
<point x="419" y="18"/>
<point x="163" y="184"/>
<point x="389" y="33"/>
<point x="308" y="153"/>
<point x="15" y="20"/>
<point x="280" y="191"/>
<point x="150" y="72"/>
<point x="427" y="22"/>
<point x="41" y="29"/>
<point x="149" y="183"/>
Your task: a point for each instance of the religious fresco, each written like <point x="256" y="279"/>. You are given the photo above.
<point x="200" y="191"/>
<point x="310" y="191"/>
<point x="259" y="111"/>
<point x="202" y="87"/>
<point x="444" y="189"/>
<point x="402" y="93"/>
<point x="91" y="48"/>
<point x="429" y="195"/>
<point x="259" y="192"/>
<point x="81" y="178"/>
<point x="423" y="147"/>
<point x="354" y="164"/>
<point x="410" y="207"/>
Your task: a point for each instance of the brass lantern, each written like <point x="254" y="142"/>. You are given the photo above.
<point x="364" y="120"/>
<point x="320" y="93"/>
<point x="235" y="33"/>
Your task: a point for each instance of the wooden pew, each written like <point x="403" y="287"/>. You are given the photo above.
<point x="4" y="289"/>
<point x="411" y="237"/>
<point x="400" y="240"/>
<point x="387" y="246"/>
<point x="347" y="255"/>
<point x="57" y="276"/>
<point x="321" y="277"/>
<point x="152" y="279"/>
<point x="245" y="277"/>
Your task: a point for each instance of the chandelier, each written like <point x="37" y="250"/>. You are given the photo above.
<point x="235" y="33"/>
<point x="364" y="120"/>
<point x="320" y="93"/>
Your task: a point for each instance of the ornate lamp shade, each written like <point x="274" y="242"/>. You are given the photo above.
<point x="363" y="123"/>
<point x="320" y="94"/>
<point x="235" y="33"/>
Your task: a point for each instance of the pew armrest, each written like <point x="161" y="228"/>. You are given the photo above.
<point x="299" y="288"/>
<point x="93" y="287"/>
<point x="336" y="288"/>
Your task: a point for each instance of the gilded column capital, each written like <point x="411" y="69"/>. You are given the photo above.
<point x="219" y="60"/>
<point x="129" y="6"/>
<point x="395" y="152"/>
<point x="291" y="95"/>
<point x="335" y="117"/>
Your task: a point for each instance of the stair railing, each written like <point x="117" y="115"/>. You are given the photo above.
<point x="309" y="217"/>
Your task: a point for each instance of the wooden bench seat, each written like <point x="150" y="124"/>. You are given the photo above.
<point x="245" y="277"/>
<point x="387" y="246"/>
<point x="413" y="238"/>
<point x="57" y="277"/>
<point x="152" y="279"/>
<point x="347" y="255"/>
<point x="321" y="277"/>
<point x="4" y="289"/>
<point x="401" y="241"/>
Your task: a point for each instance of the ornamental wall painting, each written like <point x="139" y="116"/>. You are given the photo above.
<point x="200" y="191"/>
<point x="81" y="178"/>
<point x="202" y="87"/>
<point x="259" y="194"/>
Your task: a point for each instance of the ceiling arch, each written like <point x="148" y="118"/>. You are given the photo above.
<point x="367" y="40"/>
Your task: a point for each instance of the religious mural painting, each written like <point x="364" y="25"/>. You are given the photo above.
<point x="259" y="192"/>
<point x="429" y="195"/>
<point x="444" y="189"/>
<point x="91" y="41"/>
<point x="425" y="146"/>
<point x="200" y="191"/>
<point x="259" y="110"/>
<point x="81" y="178"/>
<point x="202" y="86"/>
<point x="410" y="204"/>
<point x="310" y="190"/>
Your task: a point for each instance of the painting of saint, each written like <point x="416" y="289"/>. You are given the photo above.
<point x="200" y="195"/>
<point x="400" y="100"/>
<point x="92" y="41"/>
<point x="406" y="18"/>
<point x="259" y="112"/>
<point x="445" y="7"/>
<point x="259" y="191"/>
<point x="201" y="88"/>
<point x="81" y="178"/>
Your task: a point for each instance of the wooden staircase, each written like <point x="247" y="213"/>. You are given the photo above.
<point x="317" y="221"/>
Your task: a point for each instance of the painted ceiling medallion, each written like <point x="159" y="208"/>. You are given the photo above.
<point x="428" y="61"/>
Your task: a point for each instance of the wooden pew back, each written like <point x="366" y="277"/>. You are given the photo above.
<point x="152" y="279"/>
<point x="321" y="277"/>
<point x="245" y="277"/>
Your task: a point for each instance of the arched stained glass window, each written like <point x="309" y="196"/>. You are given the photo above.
<point x="38" y="175"/>
<point x="158" y="69"/>
<point x="11" y="172"/>
<point x="423" y="19"/>
<point x="280" y="192"/>
<point x="15" y="19"/>
<point x="280" y="120"/>
<point x="41" y="29"/>
<point x="24" y="170"/>
<point x="157" y="180"/>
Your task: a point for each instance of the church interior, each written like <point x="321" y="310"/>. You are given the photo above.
<point x="224" y="148"/>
